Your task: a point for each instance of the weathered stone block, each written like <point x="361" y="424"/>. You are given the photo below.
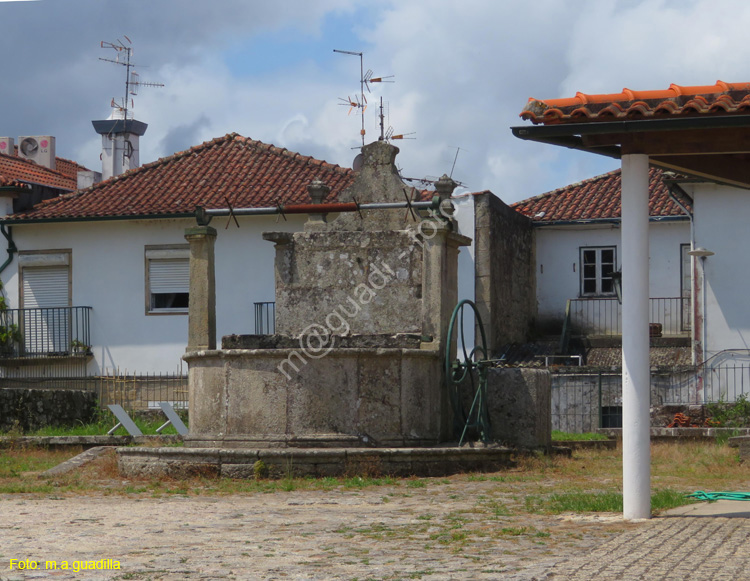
<point x="519" y="407"/>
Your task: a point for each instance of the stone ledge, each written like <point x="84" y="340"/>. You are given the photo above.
<point x="682" y="433"/>
<point x="610" y="444"/>
<point x="318" y="462"/>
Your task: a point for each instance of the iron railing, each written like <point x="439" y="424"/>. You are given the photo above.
<point x="583" y="402"/>
<point x="141" y="392"/>
<point x="603" y="316"/>
<point x="265" y="318"/>
<point x="45" y="332"/>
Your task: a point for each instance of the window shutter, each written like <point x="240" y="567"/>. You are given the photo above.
<point x="170" y="275"/>
<point x="46" y="287"/>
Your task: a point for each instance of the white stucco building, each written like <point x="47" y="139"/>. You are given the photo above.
<point x="578" y="247"/>
<point x="107" y="267"/>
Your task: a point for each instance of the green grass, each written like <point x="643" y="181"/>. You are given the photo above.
<point x="102" y="426"/>
<point x="589" y="436"/>
<point x="583" y="502"/>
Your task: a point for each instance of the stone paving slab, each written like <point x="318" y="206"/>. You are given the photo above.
<point x="374" y="533"/>
<point x="707" y="548"/>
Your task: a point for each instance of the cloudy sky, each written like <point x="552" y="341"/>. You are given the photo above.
<point x="267" y="70"/>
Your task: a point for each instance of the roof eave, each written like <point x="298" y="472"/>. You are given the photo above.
<point x="9" y="221"/>
<point x="560" y="130"/>
<point x="604" y="221"/>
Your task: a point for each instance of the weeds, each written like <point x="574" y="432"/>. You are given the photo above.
<point x="730" y="415"/>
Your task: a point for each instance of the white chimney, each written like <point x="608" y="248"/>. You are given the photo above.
<point x="119" y="143"/>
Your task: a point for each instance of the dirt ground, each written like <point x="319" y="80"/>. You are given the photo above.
<point x="434" y="529"/>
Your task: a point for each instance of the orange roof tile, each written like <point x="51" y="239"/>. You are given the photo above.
<point x="676" y="101"/>
<point x="27" y="171"/>
<point x="597" y="198"/>
<point x="245" y="172"/>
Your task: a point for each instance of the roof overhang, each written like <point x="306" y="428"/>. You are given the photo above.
<point x="713" y="148"/>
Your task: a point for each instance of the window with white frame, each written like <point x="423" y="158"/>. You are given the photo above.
<point x="167" y="279"/>
<point x="597" y="266"/>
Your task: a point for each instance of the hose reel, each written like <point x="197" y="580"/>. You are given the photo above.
<point x="460" y="373"/>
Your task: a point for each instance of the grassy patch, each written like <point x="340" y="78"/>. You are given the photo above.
<point x="571" y="437"/>
<point x="585" y="502"/>
<point x="103" y="425"/>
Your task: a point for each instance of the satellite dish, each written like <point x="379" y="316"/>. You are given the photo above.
<point x="358" y="162"/>
<point x="29" y="146"/>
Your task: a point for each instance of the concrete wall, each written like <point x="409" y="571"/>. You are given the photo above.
<point x="30" y="409"/>
<point x="721" y="218"/>
<point x="108" y="274"/>
<point x="558" y="269"/>
<point x="504" y="278"/>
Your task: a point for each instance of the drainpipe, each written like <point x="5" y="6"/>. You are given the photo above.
<point x="671" y="187"/>
<point x="12" y="249"/>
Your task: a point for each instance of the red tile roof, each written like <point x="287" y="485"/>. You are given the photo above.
<point x="27" y="171"/>
<point x="246" y="172"/>
<point x="676" y="101"/>
<point x="6" y="182"/>
<point x="597" y="198"/>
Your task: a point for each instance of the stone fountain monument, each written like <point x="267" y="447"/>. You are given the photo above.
<point x="355" y="368"/>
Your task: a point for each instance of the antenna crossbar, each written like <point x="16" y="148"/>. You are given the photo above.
<point x="132" y="81"/>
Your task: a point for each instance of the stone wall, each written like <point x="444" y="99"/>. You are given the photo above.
<point x="30" y="409"/>
<point x="352" y="397"/>
<point x="505" y="272"/>
<point x="348" y="282"/>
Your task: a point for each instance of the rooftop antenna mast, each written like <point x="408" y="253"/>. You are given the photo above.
<point x="387" y="134"/>
<point x="365" y="78"/>
<point x="132" y="79"/>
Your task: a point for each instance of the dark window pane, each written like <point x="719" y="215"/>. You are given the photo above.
<point x="607" y="270"/>
<point x="589" y="286"/>
<point x="608" y="255"/>
<point x="589" y="271"/>
<point x="169" y="301"/>
<point x="607" y="286"/>
<point x="589" y="256"/>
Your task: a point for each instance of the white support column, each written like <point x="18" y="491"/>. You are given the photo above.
<point x="636" y="441"/>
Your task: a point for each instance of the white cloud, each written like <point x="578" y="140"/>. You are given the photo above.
<point x="463" y="73"/>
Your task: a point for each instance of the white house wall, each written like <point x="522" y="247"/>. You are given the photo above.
<point x="558" y="262"/>
<point x="722" y="215"/>
<point x="108" y="274"/>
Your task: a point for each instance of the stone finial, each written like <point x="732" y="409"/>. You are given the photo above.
<point x="318" y="191"/>
<point x="445" y="186"/>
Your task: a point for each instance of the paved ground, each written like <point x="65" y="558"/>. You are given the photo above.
<point x="452" y="530"/>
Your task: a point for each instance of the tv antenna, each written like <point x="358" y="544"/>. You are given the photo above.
<point x="132" y="79"/>
<point x="365" y="78"/>
<point x="387" y="134"/>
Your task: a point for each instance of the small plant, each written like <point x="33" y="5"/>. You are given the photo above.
<point x="730" y="415"/>
<point x="10" y="333"/>
<point x="10" y="336"/>
<point x="77" y="346"/>
<point x="260" y="470"/>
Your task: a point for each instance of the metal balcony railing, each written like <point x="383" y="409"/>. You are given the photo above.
<point x="45" y="332"/>
<point x="603" y="316"/>
<point x="265" y="318"/>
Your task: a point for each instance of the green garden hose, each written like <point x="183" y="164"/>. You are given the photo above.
<point x="714" y="496"/>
